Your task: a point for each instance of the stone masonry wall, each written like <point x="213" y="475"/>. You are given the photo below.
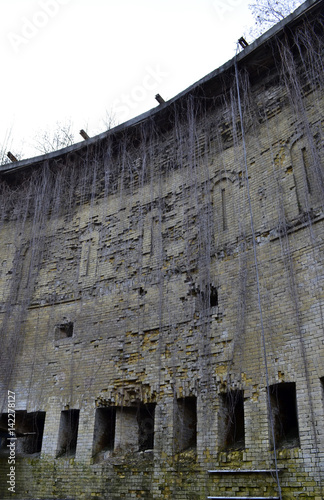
<point x="146" y="301"/>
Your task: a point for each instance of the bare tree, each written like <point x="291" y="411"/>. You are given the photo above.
<point x="59" y="137"/>
<point x="110" y="120"/>
<point x="266" y="13"/>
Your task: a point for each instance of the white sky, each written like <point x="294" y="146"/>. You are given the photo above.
<point x="78" y="59"/>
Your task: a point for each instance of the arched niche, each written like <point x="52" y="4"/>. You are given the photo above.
<point x="89" y="246"/>
<point x="225" y="209"/>
<point x="307" y="166"/>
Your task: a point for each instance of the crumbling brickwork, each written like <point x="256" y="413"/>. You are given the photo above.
<point x="162" y="293"/>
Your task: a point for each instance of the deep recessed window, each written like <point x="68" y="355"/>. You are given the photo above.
<point x="68" y="433"/>
<point x="284" y="414"/>
<point x="185" y="424"/>
<point x="145" y="419"/>
<point x="135" y="427"/>
<point x="231" y="424"/>
<point x="29" y="428"/>
<point x="213" y="296"/>
<point x="104" y="431"/>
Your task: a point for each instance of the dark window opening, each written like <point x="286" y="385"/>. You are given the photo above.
<point x="104" y="431"/>
<point x="185" y="424"/>
<point x="305" y="168"/>
<point x="213" y="298"/>
<point x="28" y="429"/>
<point x="232" y="421"/>
<point x="284" y="414"/>
<point x="63" y="330"/>
<point x="145" y="418"/>
<point x="322" y="386"/>
<point x="207" y="297"/>
<point x="224" y="210"/>
<point x="68" y="433"/>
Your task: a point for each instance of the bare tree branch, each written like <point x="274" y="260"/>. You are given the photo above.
<point x="266" y="13"/>
<point x="60" y="137"/>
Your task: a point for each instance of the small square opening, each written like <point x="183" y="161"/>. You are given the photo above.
<point x="232" y="435"/>
<point x="284" y="415"/>
<point x="185" y="424"/>
<point x="68" y="433"/>
<point x="63" y="330"/>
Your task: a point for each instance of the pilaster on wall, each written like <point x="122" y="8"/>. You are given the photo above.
<point x="207" y="410"/>
<point x="257" y="429"/>
<point x="51" y="429"/>
<point x="85" y="435"/>
<point x="163" y="427"/>
<point x="163" y="443"/>
<point x="318" y="387"/>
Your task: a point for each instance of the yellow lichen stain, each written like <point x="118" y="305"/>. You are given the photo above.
<point x="167" y="352"/>
<point x="221" y="370"/>
<point x="207" y="455"/>
<point x="133" y="358"/>
<point x="149" y="337"/>
<point x="280" y="158"/>
<point x="255" y="394"/>
<point x="245" y="380"/>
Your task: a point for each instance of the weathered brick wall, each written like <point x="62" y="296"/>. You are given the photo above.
<point x="132" y="264"/>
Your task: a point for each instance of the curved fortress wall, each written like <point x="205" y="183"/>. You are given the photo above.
<point x="162" y="293"/>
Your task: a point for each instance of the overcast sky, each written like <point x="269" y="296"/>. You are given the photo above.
<point x="80" y="59"/>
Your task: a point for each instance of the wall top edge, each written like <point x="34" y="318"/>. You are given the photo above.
<point x="243" y="57"/>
